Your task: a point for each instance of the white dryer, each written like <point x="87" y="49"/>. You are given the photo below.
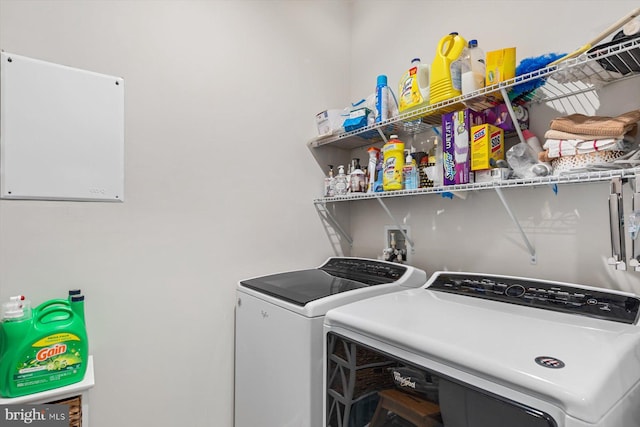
<point x="497" y="351"/>
<point x="279" y="337"/>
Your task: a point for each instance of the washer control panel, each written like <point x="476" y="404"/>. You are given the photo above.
<point x="542" y="294"/>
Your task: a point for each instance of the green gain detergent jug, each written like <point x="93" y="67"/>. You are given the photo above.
<point x="43" y="348"/>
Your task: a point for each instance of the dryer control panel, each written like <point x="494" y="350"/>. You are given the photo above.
<point x="542" y="294"/>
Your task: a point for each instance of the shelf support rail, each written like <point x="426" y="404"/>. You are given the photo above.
<point x="397" y="224"/>
<point x="633" y="226"/>
<point x="616" y="225"/>
<point x="324" y="213"/>
<point x="512" y="114"/>
<point x="532" y="250"/>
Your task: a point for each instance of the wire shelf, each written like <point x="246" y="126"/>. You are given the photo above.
<point x="600" y="66"/>
<point x="569" y="178"/>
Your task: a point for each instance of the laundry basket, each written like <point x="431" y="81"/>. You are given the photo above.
<point x="75" y="409"/>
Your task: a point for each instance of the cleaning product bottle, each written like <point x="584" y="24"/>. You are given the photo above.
<point x="356" y="178"/>
<point x="329" y="183"/>
<point x="374" y="155"/>
<point x="342" y="182"/>
<point x="410" y="173"/>
<point x="424" y="181"/>
<point x="44" y="348"/>
<point x="413" y="88"/>
<point x="393" y="163"/>
<point x="435" y="168"/>
<point x="382" y="99"/>
<point x="441" y="87"/>
<point x="473" y="68"/>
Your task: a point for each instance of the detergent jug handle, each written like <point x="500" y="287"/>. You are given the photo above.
<point x="53" y="313"/>
<point x="448" y="40"/>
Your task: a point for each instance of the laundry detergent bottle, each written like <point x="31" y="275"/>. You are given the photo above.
<point x="43" y="348"/>
<point x="414" y="87"/>
<point x="441" y="85"/>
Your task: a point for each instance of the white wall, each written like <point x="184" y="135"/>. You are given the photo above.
<point x="220" y="101"/>
<point x="220" y="98"/>
<point x="570" y="230"/>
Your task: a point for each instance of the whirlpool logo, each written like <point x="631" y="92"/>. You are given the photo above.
<point x="35" y="415"/>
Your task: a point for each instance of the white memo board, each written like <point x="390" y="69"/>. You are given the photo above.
<point x="61" y="132"/>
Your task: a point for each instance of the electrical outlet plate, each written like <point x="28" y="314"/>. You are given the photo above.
<point x="392" y="232"/>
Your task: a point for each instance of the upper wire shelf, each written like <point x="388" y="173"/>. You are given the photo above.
<point x="600" y="66"/>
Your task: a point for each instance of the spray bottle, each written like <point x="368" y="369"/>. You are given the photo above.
<point x="374" y="155"/>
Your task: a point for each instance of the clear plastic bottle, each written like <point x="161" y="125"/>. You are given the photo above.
<point x="457" y="68"/>
<point x="473" y="68"/>
<point x="435" y="168"/>
<point x="410" y="173"/>
<point x="329" y="183"/>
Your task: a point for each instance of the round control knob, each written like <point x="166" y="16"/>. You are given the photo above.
<point x="515" y="291"/>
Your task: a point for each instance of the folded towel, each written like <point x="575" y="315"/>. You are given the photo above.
<point x="558" y="134"/>
<point x="600" y="126"/>
<point x="571" y="147"/>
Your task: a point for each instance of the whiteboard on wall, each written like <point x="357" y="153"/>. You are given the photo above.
<point x="61" y="132"/>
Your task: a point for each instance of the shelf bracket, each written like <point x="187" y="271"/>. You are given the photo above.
<point x="326" y="214"/>
<point x="616" y="225"/>
<point x="512" y="114"/>
<point x="532" y="250"/>
<point x="397" y="224"/>
<point x="382" y="135"/>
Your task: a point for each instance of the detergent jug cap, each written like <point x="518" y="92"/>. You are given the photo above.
<point x="382" y="80"/>
<point x="415" y="60"/>
<point x="473" y="43"/>
<point x="453" y="33"/>
<point x="74" y="292"/>
<point x="77" y="298"/>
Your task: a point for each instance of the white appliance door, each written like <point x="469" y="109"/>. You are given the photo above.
<point x="283" y="350"/>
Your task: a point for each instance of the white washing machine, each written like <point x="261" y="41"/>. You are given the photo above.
<point x="279" y="337"/>
<point x="491" y="351"/>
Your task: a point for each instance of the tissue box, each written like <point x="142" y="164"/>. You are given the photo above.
<point x="499" y="116"/>
<point x="487" y="142"/>
<point x="456" y="138"/>
<point x="500" y="65"/>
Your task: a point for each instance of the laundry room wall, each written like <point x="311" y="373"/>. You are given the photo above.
<point x="220" y="99"/>
<point x="569" y="230"/>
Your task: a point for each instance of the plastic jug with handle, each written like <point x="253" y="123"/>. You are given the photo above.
<point x="441" y="85"/>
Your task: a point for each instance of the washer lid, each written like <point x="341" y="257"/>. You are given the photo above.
<point x="337" y="275"/>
